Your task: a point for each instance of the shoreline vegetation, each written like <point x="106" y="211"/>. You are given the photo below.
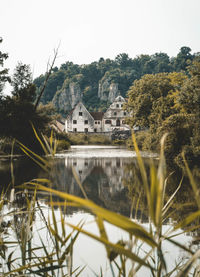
<point x="64" y="141"/>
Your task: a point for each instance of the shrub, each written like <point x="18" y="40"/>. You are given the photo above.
<point x="63" y="145"/>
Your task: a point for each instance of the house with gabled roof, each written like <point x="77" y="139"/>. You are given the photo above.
<point x="80" y="120"/>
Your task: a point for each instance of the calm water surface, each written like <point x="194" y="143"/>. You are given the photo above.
<point x="105" y="173"/>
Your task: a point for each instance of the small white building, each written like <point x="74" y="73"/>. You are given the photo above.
<point x="81" y="121"/>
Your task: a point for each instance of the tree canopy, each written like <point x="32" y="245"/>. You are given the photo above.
<point x="123" y="70"/>
<point x="169" y="103"/>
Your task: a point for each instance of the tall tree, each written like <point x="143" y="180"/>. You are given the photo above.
<point x="183" y="59"/>
<point x="22" y="82"/>
<point x="4" y="72"/>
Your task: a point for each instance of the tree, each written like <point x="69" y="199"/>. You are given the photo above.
<point x="123" y="60"/>
<point x="189" y="96"/>
<point x="183" y="59"/>
<point x="22" y="82"/>
<point x="183" y="128"/>
<point x="147" y="99"/>
<point x="4" y="72"/>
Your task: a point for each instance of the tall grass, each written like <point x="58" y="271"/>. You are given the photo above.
<point x="143" y="249"/>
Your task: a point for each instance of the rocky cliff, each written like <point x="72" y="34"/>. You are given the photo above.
<point x="70" y="94"/>
<point x="108" y="91"/>
<point x="66" y="98"/>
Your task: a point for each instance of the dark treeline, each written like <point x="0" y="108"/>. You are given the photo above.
<point x="123" y="70"/>
<point x="18" y="113"/>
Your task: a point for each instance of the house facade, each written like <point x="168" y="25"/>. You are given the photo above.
<point x="115" y="116"/>
<point x="80" y="120"/>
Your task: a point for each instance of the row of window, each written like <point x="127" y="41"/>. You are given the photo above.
<point x="86" y="122"/>
<point x="85" y="130"/>
<point x="117" y="105"/>
<point x="115" y="113"/>
<point x="108" y="121"/>
<point x="75" y="122"/>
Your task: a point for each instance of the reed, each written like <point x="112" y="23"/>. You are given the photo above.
<point x="126" y="257"/>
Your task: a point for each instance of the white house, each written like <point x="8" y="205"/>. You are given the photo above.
<point x="114" y="117"/>
<point x="81" y="121"/>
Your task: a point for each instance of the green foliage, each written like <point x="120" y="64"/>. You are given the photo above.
<point x="54" y="83"/>
<point x="169" y="103"/>
<point x="123" y="70"/>
<point x="17" y="112"/>
<point x="63" y="145"/>
<point x="183" y="59"/>
<point x="78" y="139"/>
<point x="149" y="99"/>
<point x="4" y="72"/>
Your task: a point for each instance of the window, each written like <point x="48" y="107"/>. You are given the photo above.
<point x="95" y="130"/>
<point x="74" y="121"/>
<point x="98" y="122"/>
<point x="115" y="113"/>
<point x="117" y="122"/>
<point x="80" y="113"/>
<point x="108" y="121"/>
<point x="80" y="171"/>
<point x="117" y="106"/>
<point x="74" y="163"/>
<point x="75" y="130"/>
<point x="86" y="121"/>
<point x="95" y="122"/>
<point x="120" y="99"/>
<point x="86" y="130"/>
<point x="124" y="113"/>
<point x="121" y="105"/>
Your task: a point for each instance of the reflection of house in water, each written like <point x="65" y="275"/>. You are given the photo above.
<point x="82" y="166"/>
<point x="110" y="177"/>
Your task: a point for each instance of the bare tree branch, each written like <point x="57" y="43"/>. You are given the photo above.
<point x="48" y="74"/>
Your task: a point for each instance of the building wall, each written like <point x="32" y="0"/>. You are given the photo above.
<point x="80" y="120"/>
<point x="114" y="117"/>
<point x="98" y="126"/>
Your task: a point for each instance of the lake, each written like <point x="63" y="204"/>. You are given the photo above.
<point x="106" y="175"/>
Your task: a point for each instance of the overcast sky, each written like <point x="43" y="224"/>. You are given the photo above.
<point x="90" y="29"/>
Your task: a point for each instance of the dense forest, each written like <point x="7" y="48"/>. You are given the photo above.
<point x="93" y="80"/>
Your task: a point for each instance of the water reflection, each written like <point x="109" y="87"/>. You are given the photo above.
<point x="110" y="177"/>
<point x="102" y="172"/>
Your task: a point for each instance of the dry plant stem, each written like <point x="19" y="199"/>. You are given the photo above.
<point x="49" y="70"/>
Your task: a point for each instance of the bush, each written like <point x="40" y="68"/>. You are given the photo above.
<point x="63" y="145"/>
<point x="85" y="139"/>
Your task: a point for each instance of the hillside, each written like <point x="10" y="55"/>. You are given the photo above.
<point x="98" y="83"/>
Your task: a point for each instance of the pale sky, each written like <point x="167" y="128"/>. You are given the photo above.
<point x="90" y="29"/>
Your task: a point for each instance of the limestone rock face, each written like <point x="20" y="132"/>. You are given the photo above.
<point x="113" y="92"/>
<point x="108" y="91"/>
<point x="66" y="98"/>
